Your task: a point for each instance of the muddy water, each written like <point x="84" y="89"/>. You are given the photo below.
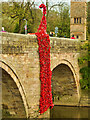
<point x="70" y="112"/>
<point x="74" y="111"/>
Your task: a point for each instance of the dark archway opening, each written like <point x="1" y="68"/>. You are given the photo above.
<point x="64" y="86"/>
<point x="65" y="95"/>
<point x="12" y="103"/>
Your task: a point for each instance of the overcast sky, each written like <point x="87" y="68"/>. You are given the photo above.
<point x="40" y="1"/>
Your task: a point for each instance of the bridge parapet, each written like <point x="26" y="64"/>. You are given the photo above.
<point x="60" y="45"/>
<point x="18" y="44"/>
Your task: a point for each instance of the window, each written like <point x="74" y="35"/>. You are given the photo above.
<point x="77" y="36"/>
<point x="77" y="20"/>
<point x="74" y="20"/>
<point x="80" y="20"/>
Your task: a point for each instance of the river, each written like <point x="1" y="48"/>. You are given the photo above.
<point x="69" y="112"/>
<point x="74" y="111"/>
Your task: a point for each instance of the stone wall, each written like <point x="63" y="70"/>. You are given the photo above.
<point x="78" y="11"/>
<point x="20" y="59"/>
<point x="19" y="52"/>
<point x="11" y="98"/>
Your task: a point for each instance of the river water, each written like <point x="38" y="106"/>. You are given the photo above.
<point x="66" y="112"/>
<point x="70" y="112"/>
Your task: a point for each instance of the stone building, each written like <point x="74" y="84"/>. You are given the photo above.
<point x="78" y="19"/>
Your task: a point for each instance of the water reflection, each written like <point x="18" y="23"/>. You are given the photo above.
<point x="69" y="112"/>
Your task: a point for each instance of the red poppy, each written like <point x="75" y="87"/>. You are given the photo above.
<point x="45" y="72"/>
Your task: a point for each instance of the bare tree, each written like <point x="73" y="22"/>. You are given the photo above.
<point x="52" y="6"/>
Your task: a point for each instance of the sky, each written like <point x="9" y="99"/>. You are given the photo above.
<point x="54" y="1"/>
<point x="40" y="1"/>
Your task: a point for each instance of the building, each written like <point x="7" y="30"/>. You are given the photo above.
<point x="78" y="19"/>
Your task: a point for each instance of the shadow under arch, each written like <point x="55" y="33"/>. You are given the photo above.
<point x="73" y="72"/>
<point x="13" y="75"/>
<point x="66" y="62"/>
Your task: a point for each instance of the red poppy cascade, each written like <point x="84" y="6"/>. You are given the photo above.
<point x="44" y="58"/>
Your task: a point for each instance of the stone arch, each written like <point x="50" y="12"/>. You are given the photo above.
<point x="75" y="75"/>
<point x="64" y="61"/>
<point x="14" y="76"/>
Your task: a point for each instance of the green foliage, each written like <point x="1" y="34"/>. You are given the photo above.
<point x="85" y="81"/>
<point x="61" y="19"/>
<point x="5" y="113"/>
<point x="52" y="21"/>
<point x="64" y="22"/>
<point x="16" y="30"/>
<point x="85" y="45"/>
<point x="14" y="15"/>
<point x="84" y="60"/>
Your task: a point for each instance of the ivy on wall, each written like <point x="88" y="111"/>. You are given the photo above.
<point x="85" y="81"/>
<point x="84" y="63"/>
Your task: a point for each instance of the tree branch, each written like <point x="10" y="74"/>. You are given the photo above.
<point x="59" y="4"/>
<point x="13" y="16"/>
<point x="30" y="5"/>
<point x="14" y="19"/>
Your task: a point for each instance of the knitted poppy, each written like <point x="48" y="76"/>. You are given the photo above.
<point x="45" y="72"/>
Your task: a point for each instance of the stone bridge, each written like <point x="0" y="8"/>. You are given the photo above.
<point x="19" y="63"/>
